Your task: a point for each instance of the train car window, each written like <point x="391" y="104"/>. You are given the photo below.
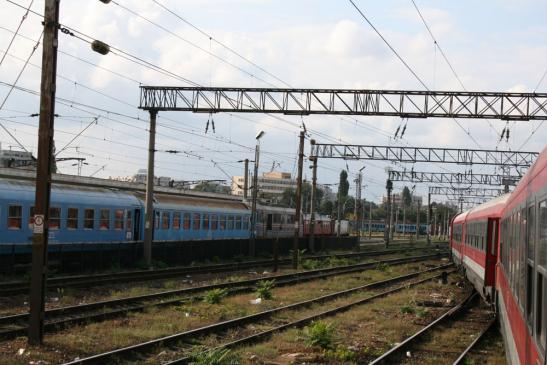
<point x="89" y="218"/>
<point x="31" y="217"/>
<point x="118" y="219"/>
<point x="176" y="221"/>
<point x="222" y="222"/>
<point x="165" y="220"/>
<point x="229" y="222"/>
<point x="541" y="299"/>
<point x="54" y="218"/>
<point x="529" y="292"/>
<point x="542" y="252"/>
<point x="196" y="217"/>
<point x="186" y="221"/>
<point x="214" y="222"/>
<point x="72" y="218"/>
<point x="104" y="219"/>
<point x="238" y="223"/>
<point x="245" y="223"/>
<point x="531" y="234"/>
<point x="156" y="219"/>
<point x="206" y="221"/>
<point x="129" y="221"/>
<point x="15" y="216"/>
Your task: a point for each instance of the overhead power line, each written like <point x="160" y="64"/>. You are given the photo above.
<point x="17" y="30"/>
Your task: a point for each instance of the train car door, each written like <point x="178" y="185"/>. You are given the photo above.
<point x="491" y="251"/>
<point x="137" y="225"/>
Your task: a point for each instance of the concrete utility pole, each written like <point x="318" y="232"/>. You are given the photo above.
<point x="252" y="240"/>
<point x="246" y="180"/>
<point x="370" y="220"/>
<point x="43" y="172"/>
<point x="404" y="220"/>
<point x="298" y="201"/>
<point x="417" y="220"/>
<point x="356" y="211"/>
<point x="387" y="224"/>
<point x="312" y="207"/>
<point x="428" y="217"/>
<point x="149" y="206"/>
<point x="339" y="213"/>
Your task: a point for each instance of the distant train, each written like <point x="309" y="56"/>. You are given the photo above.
<point x="98" y="214"/>
<point x="378" y="226"/>
<point x="502" y="248"/>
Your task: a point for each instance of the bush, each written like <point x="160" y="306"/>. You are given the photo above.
<point x="383" y="267"/>
<point x="408" y="309"/>
<point x="311" y="264"/>
<point x="319" y="334"/>
<point x="264" y="289"/>
<point x="218" y="356"/>
<point x="215" y="296"/>
<point x="342" y="353"/>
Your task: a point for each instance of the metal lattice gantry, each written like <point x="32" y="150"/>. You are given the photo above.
<point x="465" y="178"/>
<point x="401" y="103"/>
<point x="424" y="154"/>
<point x="451" y="191"/>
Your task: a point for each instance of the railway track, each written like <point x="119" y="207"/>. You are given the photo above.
<point x="180" y="340"/>
<point x="20" y="287"/>
<point x="446" y="340"/>
<point x="15" y="325"/>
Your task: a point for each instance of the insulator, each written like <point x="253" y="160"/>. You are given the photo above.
<point x="100" y="47"/>
<point x="105" y="1"/>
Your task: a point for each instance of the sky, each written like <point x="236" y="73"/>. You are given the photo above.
<point x="492" y="45"/>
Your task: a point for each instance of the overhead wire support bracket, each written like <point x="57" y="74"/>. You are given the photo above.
<point x="424" y="154"/>
<point x="399" y="103"/>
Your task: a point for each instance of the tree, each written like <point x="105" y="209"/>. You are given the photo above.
<point x="210" y="187"/>
<point x="343" y="186"/>
<point x="287" y="198"/>
<point x="407" y="197"/>
<point x="326" y="208"/>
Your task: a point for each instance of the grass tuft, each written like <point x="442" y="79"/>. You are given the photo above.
<point x="215" y="296"/>
<point x="319" y="334"/>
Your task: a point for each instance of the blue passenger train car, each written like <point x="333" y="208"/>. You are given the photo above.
<point x="81" y="214"/>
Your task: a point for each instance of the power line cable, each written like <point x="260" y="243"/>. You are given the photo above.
<point x="17" y="30"/>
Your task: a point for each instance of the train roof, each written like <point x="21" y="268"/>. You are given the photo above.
<point x="491" y="209"/>
<point x="23" y="190"/>
<point x="196" y="203"/>
<point x="534" y="179"/>
<point x="83" y="181"/>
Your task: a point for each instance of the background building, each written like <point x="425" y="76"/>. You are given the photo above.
<point x="270" y="185"/>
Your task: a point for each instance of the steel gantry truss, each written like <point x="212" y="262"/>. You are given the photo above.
<point x="452" y="178"/>
<point x="400" y="103"/>
<point x="421" y="154"/>
<point x="469" y="192"/>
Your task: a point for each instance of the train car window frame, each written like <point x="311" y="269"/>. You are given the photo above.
<point x="128" y="220"/>
<point x="54" y="221"/>
<point x="31" y="217"/>
<point x="176" y="221"/>
<point x="186" y="221"/>
<point x="540" y="318"/>
<point x="118" y="219"/>
<point x="196" y="221"/>
<point x="15" y="217"/>
<point x="205" y="220"/>
<point x="88" y="220"/>
<point x="222" y="222"/>
<point x="214" y="222"/>
<point x="71" y="219"/>
<point x="104" y="219"/>
<point x="165" y="220"/>
<point x="542" y="235"/>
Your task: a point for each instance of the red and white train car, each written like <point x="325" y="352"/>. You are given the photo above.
<point x="474" y="244"/>
<point x="502" y="245"/>
<point x="521" y="273"/>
